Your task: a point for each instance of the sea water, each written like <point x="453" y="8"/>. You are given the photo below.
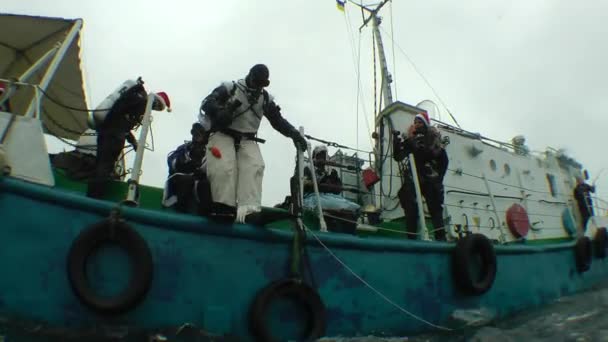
<point x="578" y="318"/>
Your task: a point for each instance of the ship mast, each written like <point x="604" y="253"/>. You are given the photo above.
<point x="387" y="94"/>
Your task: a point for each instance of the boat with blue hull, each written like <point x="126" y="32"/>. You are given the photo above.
<point x="208" y="274"/>
<point x="515" y="238"/>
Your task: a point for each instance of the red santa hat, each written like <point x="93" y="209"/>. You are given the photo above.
<point x="161" y="95"/>
<point x="424" y="117"/>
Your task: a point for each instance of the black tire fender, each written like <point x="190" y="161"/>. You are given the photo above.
<point x="88" y="241"/>
<point x="294" y="289"/>
<point x="582" y="253"/>
<point x="600" y="241"/>
<point x="469" y="249"/>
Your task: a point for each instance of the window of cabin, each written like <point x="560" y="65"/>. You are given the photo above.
<point x="552" y="185"/>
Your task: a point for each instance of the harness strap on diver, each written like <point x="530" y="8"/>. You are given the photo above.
<point x="238" y="136"/>
<point x="251" y="99"/>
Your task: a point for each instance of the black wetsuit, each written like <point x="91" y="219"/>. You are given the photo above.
<point x="585" y="203"/>
<point x="124" y="115"/>
<point x="431" y="165"/>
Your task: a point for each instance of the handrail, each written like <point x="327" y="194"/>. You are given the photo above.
<point x="600" y="210"/>
<point x="422" y="231"/>
<point x="315" y="185"/>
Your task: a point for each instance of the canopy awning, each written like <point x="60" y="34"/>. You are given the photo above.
<point x="26" y="39"/>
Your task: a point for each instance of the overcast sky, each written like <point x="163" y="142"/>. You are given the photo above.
<point x="504" y="68"/>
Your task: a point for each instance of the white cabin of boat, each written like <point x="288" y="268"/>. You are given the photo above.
<point x="486" y="178"/>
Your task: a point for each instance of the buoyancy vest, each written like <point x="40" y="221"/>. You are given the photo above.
<point x="248" y="116"/>
<point x="98" y="116"/>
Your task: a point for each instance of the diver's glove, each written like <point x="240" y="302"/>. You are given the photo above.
<point x="299" y="141"/>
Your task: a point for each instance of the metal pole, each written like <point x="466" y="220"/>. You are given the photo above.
<point x="502" y="234"/>
<point x="386" y="76"/>
<point x="422" y="231"/>
<point x="524" y="197"/>
<point x="316" y="187"/>
<point x="300" y="155"/>
<point x="386" y="93"/>
<point x="55" y="64"/>
<point x="27" y="74"/>
<point x="39" y="63"/>
<point x="10" y="90"/>
<point x="139" y="155"/>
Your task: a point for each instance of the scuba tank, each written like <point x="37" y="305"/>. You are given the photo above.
<point x="87" y="143"/>
<point x="97" y="116"/>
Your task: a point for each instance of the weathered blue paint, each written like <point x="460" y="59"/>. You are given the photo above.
<point x="208" y="273"/>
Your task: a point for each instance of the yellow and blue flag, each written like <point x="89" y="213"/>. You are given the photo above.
<point x="340" y="5"/>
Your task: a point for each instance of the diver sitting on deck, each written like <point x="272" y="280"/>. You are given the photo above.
<point x="187" y="187"/>
<point x="424" y="142"/>
<point x="329" y="184"/>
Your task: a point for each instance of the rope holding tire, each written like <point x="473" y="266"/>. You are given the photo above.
<point x="291" y="288"/>
<point x="113" y="231"/>
<point x="600" y="241"/>
<point x="582" y="253"/>
<point x="471" y="251"/>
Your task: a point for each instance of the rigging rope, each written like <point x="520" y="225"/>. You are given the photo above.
<point x="356" y="62"/>
<point x="368" y="285"/>
<point x="71" y="131"/>
<point x="60" y="126"/>
<point x="423" y="77"/>
<point x="358" y="88"/>
<point x="69" y="107"/>
<point x="393" y="48"/>
<point x="335" y="144"/>
<point x="376" y="109"/>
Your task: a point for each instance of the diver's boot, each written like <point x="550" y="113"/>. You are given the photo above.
<point x="243" y="211"/>
<point x="440" y="234"/>
<point x="222" y="212"/>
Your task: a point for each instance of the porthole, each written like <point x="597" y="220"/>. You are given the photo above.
<point x="507" y="169"/>
<point x="492" y="165"/>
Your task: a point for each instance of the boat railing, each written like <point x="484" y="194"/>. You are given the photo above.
<point x="600" y="206"/>
<point x="314" y="182"/>
<point x="474" y="135"/>
<point x="517" y="149"/>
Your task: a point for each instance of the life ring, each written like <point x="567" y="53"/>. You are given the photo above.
<point x="293" y="289"/>
<point x="517" y="221"/>
<point x="474" y="264"/>
<point x="600" y="241"/>
<point x="91" y="238"/>
<point x="582" y="253"/>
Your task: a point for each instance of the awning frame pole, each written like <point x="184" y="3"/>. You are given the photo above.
<point x="34" y="107"/>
